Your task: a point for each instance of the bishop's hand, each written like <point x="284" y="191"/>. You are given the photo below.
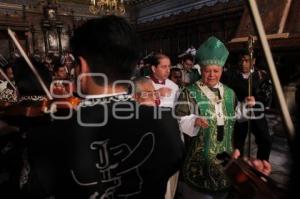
<point x="201" y="122"/>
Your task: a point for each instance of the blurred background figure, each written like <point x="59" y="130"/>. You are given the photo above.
<point x="176" y="76"/>
<point x="189" y="74"/>
<point x="60" y="75"/>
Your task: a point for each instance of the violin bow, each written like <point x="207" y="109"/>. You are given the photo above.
<point x="7" y="79"/>
<point x="24" y="55"/>
<point x="3" y="61"/>
<point x="279" y="93"/>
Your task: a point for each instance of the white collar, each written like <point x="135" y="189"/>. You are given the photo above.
<point x="217" y="85"/>
<point x="211" y="95"/>
<point x="246" y="75"/>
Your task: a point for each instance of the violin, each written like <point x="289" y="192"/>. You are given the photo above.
<point x="63" y="96"/>
<point x="249" y="182"/>
<point x="18" y="109"/>
<point x="40" y="108"/>
<point x="70" y="102"/>
<point x="47" y="104"/>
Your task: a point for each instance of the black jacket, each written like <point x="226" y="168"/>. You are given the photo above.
<point x="261" y="85"/>
<point x="129" y="157"/>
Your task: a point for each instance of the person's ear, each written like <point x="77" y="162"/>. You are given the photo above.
<point x="254" y="60"/>
<point x="84" y="68"/>
<point x="153" y="68"/>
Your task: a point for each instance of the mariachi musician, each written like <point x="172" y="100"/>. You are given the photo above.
<point x="30" y="112"/>
<point x="24" y="114"/>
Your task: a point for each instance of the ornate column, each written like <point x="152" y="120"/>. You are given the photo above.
<point x="52" y="29"/>
<point x="44" y="30"/>
<point x="33" y="34"/>
<point x="28" y="43"/>
<point x="59" y="30"/>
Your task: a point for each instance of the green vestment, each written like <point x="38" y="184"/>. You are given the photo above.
<point x="201" y="169"/>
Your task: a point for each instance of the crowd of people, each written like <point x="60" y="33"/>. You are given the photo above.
<point x="157" y="134"/>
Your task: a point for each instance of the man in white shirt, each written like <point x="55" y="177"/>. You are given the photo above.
<point x="167" y="90"/>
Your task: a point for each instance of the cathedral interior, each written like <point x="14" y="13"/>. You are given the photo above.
<point x="172" y="27"/>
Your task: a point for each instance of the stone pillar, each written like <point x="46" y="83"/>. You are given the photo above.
<point x="59" y="30"/>
<point x="45" y="40"/>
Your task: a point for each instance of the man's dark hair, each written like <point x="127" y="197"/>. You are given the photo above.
<point x="188" y="57"/>
<point x="175" y="70"/>
<point x="109" y="45"/>
<point x="246" y="52"/>
<point x="154" y="59"/>
<point x="57" y="66"/>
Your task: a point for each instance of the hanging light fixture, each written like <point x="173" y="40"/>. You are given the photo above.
<point x="107" y="7"/>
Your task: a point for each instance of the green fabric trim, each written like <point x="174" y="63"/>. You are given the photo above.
<point x="212" y="62"/>
<point x="201" y="169"/>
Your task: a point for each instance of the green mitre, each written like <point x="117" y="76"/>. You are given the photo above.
<point x="212" y="52"/>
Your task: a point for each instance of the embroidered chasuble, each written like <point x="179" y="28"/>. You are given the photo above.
<point x="201" y="169"/>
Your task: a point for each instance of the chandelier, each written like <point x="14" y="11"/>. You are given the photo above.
<point x="107" y="7"/>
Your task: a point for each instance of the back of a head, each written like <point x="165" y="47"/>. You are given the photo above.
<point x="138" y="82"/>
<point x="109" y="45"/>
